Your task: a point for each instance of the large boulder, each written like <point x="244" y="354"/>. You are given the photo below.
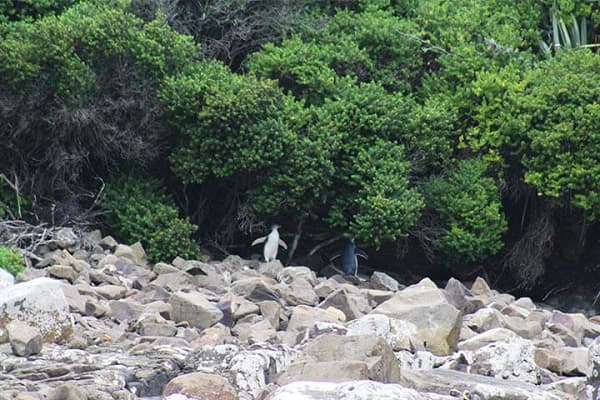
<point x="399" y="334"/>
<point x="426" y="307"/>
<point x="42" y="304"/>
<point x="362" y="357"/>
<point x="353" y="303"/>
<point x="444" y="381"/>
<point x="200" y="386"/>
<point x="194" y="308"/>
<point x="357" y="390"/>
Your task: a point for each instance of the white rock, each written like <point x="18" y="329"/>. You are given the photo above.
<point x="42" y="304"/>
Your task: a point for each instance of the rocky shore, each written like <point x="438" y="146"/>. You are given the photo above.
<point x="92" y="319"/>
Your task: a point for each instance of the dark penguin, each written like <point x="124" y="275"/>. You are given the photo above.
<point x="349" y="255"/>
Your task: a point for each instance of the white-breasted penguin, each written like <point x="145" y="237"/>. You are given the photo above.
<point x="272" y="244"/>
<point x="349" y="255"/>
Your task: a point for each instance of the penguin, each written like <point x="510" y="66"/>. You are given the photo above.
<point x="272" y="244"/>
<point x="349" y="255"/>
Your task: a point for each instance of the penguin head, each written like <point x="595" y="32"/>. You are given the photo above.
<point x="275" y="227"/>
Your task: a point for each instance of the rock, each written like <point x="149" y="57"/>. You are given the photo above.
<point x="194" y="308"/>
<point x="175" y="281"/>
<point x="484" y="319"/>
<point x="488" y="337"/>
<point x="382" y="281"/>
<point x="399" y="334"/>
<point x="255" y="289"/>
<point x="262" y="332"/>
<point x="271" y="269"/>
<point x="65" y="238"/>
<point x="6" y="279"/>
<point x="125" y="310"/>
<point x="377" y="355"/>
<point x="30" y="274"/>
<point x="40" y="303"/>
<point x="68" y="392"/>
<point x="568" y="326"/>
<point x="215" y="335"/>
<point x="270" y="310"/>
<point x="240" y="307"/>
<point x="252" y="369"/>
<point x="351" y="302"/>
<point x="62" y="272"/>
<point x="201" y="386"/>
<point x="376" y="297"/>
<point x="25" y="340"/>
<point x="358" y="390"/>
<point x="461" y="298"/>
<point x="327" y="371"/>
<point x="512" y="360"/>
<point x="108" y="242"/>
<point x="96" y="308"/>
<point x="304" y="317"/>
<point x="522" y="327"/>
<point x="445" y="381"/>
<point x="481" y="288"/>
<point x="425" y="306"/>
<point x="573" y="360"/>
<point x="547" y="359"/>
<point x="299" y="291"/>
<point x="111" y="292"/>
<point x="325" y="288"/>
<point x="291" y="274"/>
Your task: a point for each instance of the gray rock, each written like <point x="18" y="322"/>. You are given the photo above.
<point x="195" y="309"/>
<point x="299" y="291"/>
<point x="445" y="381"/>
<point x="488" y="337"/>
<point x="40" y="303"/>
<point x="198" y="385"/>
<point x="6" y="279"/>
<point x="175" y="281"/>
<point x="65" y="238"/>
<point x="62" y="272"/>
<point x="291" y="274"/>
<point x="382" y="281"/>
<point x="378" y="358"/>
<point x="271" y="269"/>
<point x="351" y="302"/>
<point x="484" y="319"/>
<point x="68" y="392"/>
<point x="425" y="306"/>
<point x="399" y="334"/>
<point x="325" y="288"/>
<point x="512" y="360"/>
<point x="25" y="340"/>
<point x="255" y="289"/>
<point x="108" y="242"/>
<point x="304" y="317"/>
<point x="271" y="310"/>
<point x="111" y="292"/>
<point x="481" y="288"/>
<point x="358" y="390"/>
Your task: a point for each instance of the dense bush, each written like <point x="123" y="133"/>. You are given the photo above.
<point x="139" y="210"/>
<point x="11" y="260"/>
<point x="77" y="94"/>
<point x="468" y="203"/>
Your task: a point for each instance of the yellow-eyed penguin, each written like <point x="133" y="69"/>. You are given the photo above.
<point x="272" y="244"/>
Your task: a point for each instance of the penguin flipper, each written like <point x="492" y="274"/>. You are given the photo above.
<point x="361" y="253"/>
<point x="282" y="244"/>
<point x="259" y="240"/>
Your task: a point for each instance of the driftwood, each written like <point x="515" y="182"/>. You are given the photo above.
<point x="26" y="236"/>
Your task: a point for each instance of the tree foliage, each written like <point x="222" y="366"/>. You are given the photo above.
<point x="468" y="125"/>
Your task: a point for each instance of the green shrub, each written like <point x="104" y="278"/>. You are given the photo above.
<point x="468" y="203"/>
<point x="11" y="260"/>
<point x="140" y="210"/>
